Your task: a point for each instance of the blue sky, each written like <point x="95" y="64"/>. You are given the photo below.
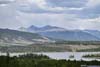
<point x="69" y="14"/>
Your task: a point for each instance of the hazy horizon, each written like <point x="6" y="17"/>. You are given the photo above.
<point x="69" y="14"/>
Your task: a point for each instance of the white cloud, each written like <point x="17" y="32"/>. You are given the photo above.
<point x="93" y="3"/>
<point x="39" y="13"/>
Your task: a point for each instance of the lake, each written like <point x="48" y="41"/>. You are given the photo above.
<point x="62" y="55"/>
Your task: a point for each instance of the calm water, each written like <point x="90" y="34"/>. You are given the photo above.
<point x="62" y="55"/>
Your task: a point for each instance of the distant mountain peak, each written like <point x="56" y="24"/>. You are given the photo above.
<point x="33" y="26"/>
<point x="46" y="28"/>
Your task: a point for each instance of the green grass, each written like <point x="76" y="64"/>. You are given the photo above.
<point x="89" y="50"/>
<point x="33" y="48"/>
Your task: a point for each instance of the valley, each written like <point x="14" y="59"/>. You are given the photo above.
<point x="48" y="48"/>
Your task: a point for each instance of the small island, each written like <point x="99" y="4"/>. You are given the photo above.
<point x="71" y="56"/>
<point x="92" y="56"/>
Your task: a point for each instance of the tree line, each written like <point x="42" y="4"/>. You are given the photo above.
<point x="32" y="60"/>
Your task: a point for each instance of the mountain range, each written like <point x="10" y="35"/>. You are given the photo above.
<point x="46" y="28"/>
<point x="64" y="34"/>
<point x="46" y="34"/>
<point x="20" y="37"/>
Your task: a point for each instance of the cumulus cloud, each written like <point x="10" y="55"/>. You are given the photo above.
<point x="82" y="8"/>
<point x="90" y="10"/>
<point x="53" y="6"/>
